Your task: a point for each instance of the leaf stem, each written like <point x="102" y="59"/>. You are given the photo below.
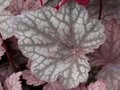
<point x="60" y="4"/>
<point x="100" y="9"/>
<point x="41" y="2"/>
<point x="8" y="56"/>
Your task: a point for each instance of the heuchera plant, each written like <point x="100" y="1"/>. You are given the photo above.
<point x="57" y="42"/>
<point x="59" y="45"/>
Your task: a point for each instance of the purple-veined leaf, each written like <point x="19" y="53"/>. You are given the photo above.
<point x="108" y="52"/>
<point x="111" y="73"/>
<point x="110" y="9"/>
<point x="58" y="41"/>
<point x="6" y="70"/>
<point x="108" y="55"/>
<point x="16" y="7"/>
<point x="12" y="82"/>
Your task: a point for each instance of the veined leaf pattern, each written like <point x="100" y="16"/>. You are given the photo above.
<point x="108" y="55"/>
<point x="57" y="42"/>
<point x="6" y="20"/>
<point x="110" y="9"/>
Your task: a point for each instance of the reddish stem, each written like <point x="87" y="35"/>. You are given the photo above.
<point x="41" y="2"/>
<point x="8" y="56"/>
<point x="100" y="9"/>
<point x="60" y="4"/>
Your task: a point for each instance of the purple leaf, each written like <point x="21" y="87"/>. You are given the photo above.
<point x="1" y="87"/>
<point x="110" y="9"/>
<point x="111" y="73"/>
<point x="12" y="48"/>
<point x="108" y="55"/>
<point x="6" y="70"/>
<point x="16" y="7"/>
<point x="108" y="52"/>
<point x="58" y="41"/>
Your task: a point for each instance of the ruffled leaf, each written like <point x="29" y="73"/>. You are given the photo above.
<point x="110" y="9"/>
<point x="98" y="85"/>
<point x="12" y="82"/>
<point x="58" y="41"/>
<point x="108" y="55"/>
<point x="111" y="73"/>
<point x="108" y="52"/>
<point x="6" y="24"/>
<point x="18" y="6"/>
<point x="30" y="79"/>
<point x="57" y="86"/>
<point x="5" y="20"/>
